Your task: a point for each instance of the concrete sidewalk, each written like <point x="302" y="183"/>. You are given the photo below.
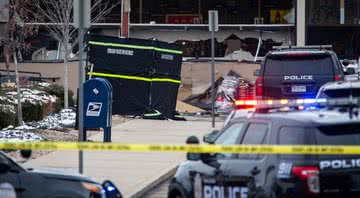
<point x="130" y="171"/>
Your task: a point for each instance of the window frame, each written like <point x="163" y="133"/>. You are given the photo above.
<point x="257" y="157"/>
<point x="238" y="139"/>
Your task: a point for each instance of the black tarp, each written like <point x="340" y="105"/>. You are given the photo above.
<point x="145" y="74"/>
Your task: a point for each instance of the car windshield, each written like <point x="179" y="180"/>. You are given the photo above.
<point x="230" y="135"/>
<point x="298" y="65"/>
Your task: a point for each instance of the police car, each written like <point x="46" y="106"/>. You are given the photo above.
<point x="297" y="72"/>
<point x="323" y="122"/>
<point x="340" y="89"/>
<point x="18" y="182"/>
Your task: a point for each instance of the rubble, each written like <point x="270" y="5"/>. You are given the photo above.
<point x="228" y="89"/>
<point x="183" y="107"/>
<point x="226" y="93"/>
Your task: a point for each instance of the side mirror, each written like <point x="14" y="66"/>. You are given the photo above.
<point x="211" y="137"/>
<point x="26" y="154"/>
<point x="193" y="156"/>
<point x="350" y="71"/>
<point x="257" y="72"/>
<point x="111" y="190"/>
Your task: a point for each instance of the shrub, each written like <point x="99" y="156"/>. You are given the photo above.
<point x="32" y="112"/>
<point x="58" y="91"/>
<point x="7" y="114"/>
<point x="7" y="119"/>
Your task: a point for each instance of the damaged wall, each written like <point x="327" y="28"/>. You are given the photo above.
<point x="197" y="44"/>
<point x="196" y="35"/>
<point x="198" y="75"/>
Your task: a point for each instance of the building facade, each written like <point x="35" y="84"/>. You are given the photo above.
<point x="241" y="25"/>
<point x="285" y="22"/>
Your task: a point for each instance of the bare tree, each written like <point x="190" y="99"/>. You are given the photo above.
<point x="58" y="13"/>
<point x="15" y="41"/>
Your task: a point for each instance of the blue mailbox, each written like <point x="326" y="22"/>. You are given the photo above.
<point x="98" y="106"/>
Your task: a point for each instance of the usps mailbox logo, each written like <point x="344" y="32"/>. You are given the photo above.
<point x="94" y="109"/>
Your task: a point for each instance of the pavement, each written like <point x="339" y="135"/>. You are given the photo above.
<point x="133" y="172"/>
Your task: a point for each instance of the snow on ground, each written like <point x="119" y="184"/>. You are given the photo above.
<point x="44" y="84"/>
<point x="32" y="96"/>
<point x="66" y="118"/>
<point x="18" y="135"/>
<point x="6" y="108"/>
<point x="58" y="121"/>
<point x="21" y="133"/>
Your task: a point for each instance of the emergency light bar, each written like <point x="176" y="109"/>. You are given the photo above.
<point x="320" y="47"/>
<point x="297" y="103"/>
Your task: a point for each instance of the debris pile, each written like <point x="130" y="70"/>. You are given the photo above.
<point x="228" y="89"/>
<point x="233" y="88"/>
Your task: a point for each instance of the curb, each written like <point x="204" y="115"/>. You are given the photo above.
<point x="154" y="183"/>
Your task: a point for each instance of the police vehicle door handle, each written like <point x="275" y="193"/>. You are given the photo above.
<point x="255" y="171"/>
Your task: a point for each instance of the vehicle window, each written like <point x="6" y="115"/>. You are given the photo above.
<point x="292" y="135"/>
<point x="341" y="93"/>
<point x="295" y="136"/>
<point x="299" y="65"/>
<point x="339" y="67"/>
<point x="228" y="137"/>
<point x="256" y="133"/>
<point x="348" y="134"/>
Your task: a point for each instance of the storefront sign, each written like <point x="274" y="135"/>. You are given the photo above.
<point x="183" y="18"/>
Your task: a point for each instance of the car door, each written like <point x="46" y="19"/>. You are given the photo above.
<point x="10" y="176"/>
<point x="251" y="165"/>
<point x="207" y="171"/>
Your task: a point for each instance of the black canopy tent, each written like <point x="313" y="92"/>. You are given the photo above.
<point x="145" y="74"/>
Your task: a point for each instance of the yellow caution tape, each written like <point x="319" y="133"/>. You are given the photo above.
<point x="204" y="148"/>
<point x="135" y="47"/>
<point x="134" y="77"/>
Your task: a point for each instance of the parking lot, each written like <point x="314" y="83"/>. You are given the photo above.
<point x="179" y="99"/>
<point x="133" y="172"/>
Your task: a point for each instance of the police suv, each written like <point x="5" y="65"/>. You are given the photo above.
<point x="297" y="72"/>
<point x="256" y="175"/>
<point x="339" y="89"/>
<point x="18" y="182"/>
